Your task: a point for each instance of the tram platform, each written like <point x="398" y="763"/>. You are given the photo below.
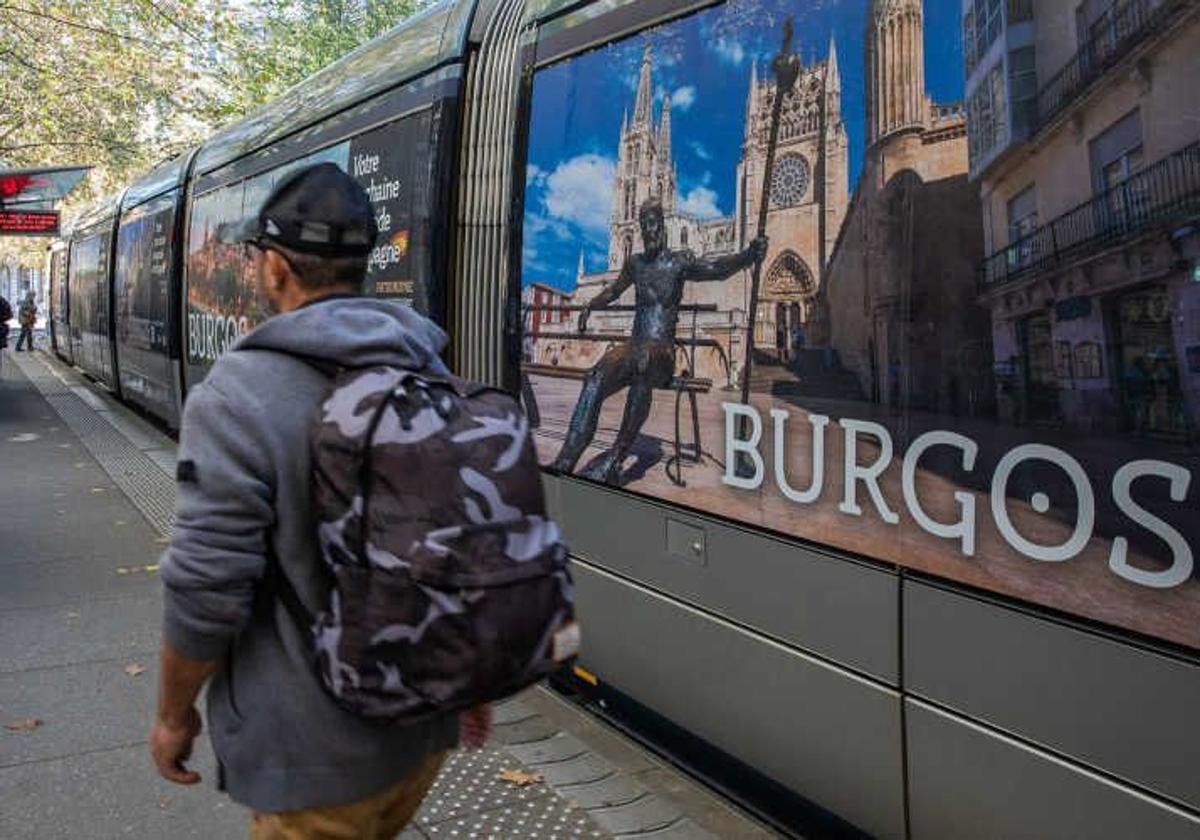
<point x="86" y="500"/>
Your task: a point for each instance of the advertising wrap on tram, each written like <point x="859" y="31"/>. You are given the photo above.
<point x="830" y="353"/>
<point x="392" y="163"/>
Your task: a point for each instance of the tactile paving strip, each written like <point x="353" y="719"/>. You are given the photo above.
<point x="469" y="800"/>
<point x="150" y="489"/>
<point x="545" y="818"/>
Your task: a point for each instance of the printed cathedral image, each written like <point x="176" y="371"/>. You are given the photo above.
<point x="865" y="273"/>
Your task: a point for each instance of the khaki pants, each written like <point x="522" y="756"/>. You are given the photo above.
<point x="381" y="817"/>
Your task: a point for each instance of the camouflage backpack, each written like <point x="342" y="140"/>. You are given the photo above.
<point x="448" y="582"/>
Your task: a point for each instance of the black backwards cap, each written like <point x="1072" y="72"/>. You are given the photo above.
<point x="317" y="210"/>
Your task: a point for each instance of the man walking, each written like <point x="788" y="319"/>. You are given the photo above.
<point x="27" y="318"/>
<point x="303" y="764"/>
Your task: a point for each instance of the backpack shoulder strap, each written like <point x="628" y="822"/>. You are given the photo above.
<point x="278" y="582"/>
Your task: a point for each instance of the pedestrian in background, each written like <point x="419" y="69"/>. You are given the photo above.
<point x="245" y="533"/>
<point x="27" y="319"/>
<point x="6" y="314"/>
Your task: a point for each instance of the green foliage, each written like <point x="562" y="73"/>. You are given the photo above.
<point x="292" y="39"/>
<point x="123" y="84"/>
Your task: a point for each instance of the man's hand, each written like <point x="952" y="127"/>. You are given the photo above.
<point x="583" y="319"/>
<point x="758" y="249"/>
<point x="475" y="727"/>
<point x="171" y="746"/>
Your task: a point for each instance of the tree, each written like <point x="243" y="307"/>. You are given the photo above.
<point x="124" y="84"/>
<point x="289" y="40"/>
<point x="118" y="85"/>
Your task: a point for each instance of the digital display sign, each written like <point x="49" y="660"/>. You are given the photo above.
<point x="28" y="223"/>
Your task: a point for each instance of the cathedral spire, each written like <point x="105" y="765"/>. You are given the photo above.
<point x="664" y="131"/>
<point x="752" y="98"/>
<point x="833" y="75"/>
<point x="643" y="113"/>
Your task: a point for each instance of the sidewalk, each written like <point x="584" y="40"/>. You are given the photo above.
<point x="86" y="495"/>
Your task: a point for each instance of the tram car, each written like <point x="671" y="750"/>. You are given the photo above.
<point x="862" y="345"/>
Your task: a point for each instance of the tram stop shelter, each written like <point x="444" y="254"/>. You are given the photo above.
<point x="29" y="198"/>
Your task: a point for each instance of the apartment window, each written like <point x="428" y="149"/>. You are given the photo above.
<point x="1022" y="71"/>
<point x="1022" y="222"/>
<point x="988" y="23"/>
<point x="1117" y="152"/>
<point x="1022" y="214"/>
<point x="987" y="116"/>
<point x="1116" y="158"/>
<point x="1020" y="11"/>
<point x="970" y="56"/>
<point x="999" y="106"/>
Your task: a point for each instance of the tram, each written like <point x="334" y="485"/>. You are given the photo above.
<point x="862" y="342"/>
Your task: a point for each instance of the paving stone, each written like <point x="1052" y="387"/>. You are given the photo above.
<point x="525" y="732"/>
<point x="585" y="768"/>
<point x="615" y="790"/>
<point x="87" y="707"/>
<point x="560" y="747"/>
<point x="685" y="829"/>
<point x="510" y="712"/>
<point x="79" y="632"/>
<point x="646" y="813"/>
<point x="115" y="794"/>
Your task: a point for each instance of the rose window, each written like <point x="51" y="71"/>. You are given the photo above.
<point x="789" y="181"/>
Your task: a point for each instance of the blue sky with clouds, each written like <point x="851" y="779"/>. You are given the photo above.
<point x="703" y="63"/>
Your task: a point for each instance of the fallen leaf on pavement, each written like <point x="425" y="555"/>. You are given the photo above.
<point x="134" y="669"/>
<point x="27" y="725"/>
<point x="131" y="570"/>
<point x="519" y="778"/>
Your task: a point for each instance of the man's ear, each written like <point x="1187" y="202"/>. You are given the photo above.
<point x="277" y="270"/>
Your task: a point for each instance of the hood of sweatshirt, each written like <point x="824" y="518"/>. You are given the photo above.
<point x="352" y="331"/>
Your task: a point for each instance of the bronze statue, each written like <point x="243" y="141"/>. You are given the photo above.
<point x="647" y="360"/>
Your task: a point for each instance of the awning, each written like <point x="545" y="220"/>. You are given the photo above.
<point x="38" y="189"/>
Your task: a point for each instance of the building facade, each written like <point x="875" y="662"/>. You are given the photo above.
<point x="1086" y="155"/>
<point x="898" y="310"/>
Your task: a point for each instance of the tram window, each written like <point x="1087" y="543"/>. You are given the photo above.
<point x="393" y="163"/>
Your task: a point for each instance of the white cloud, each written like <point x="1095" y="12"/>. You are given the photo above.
<point x="684" y="98"/>
<point x="534" y="174"/>
<point x="580" y="191"/>
<point x="701" y="202"/>
<point x="731" y="51"/>
<point x="700" y="150"/>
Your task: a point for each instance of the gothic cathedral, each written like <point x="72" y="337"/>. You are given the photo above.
<point x="808" y="196"/>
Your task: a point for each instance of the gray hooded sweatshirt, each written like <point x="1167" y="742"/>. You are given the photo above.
<point x="243" y="490"/>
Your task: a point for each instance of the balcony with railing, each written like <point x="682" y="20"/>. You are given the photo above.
<point x="1112" y="37"/>
<point x="1165" y="193"/>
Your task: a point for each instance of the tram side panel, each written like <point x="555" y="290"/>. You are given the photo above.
<point x="1030" y="454"/>
<point x="145" y="295"/>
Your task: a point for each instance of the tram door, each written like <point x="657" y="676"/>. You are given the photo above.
<point x="1041" y="384"/>
<point x="1151" y="395"/>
